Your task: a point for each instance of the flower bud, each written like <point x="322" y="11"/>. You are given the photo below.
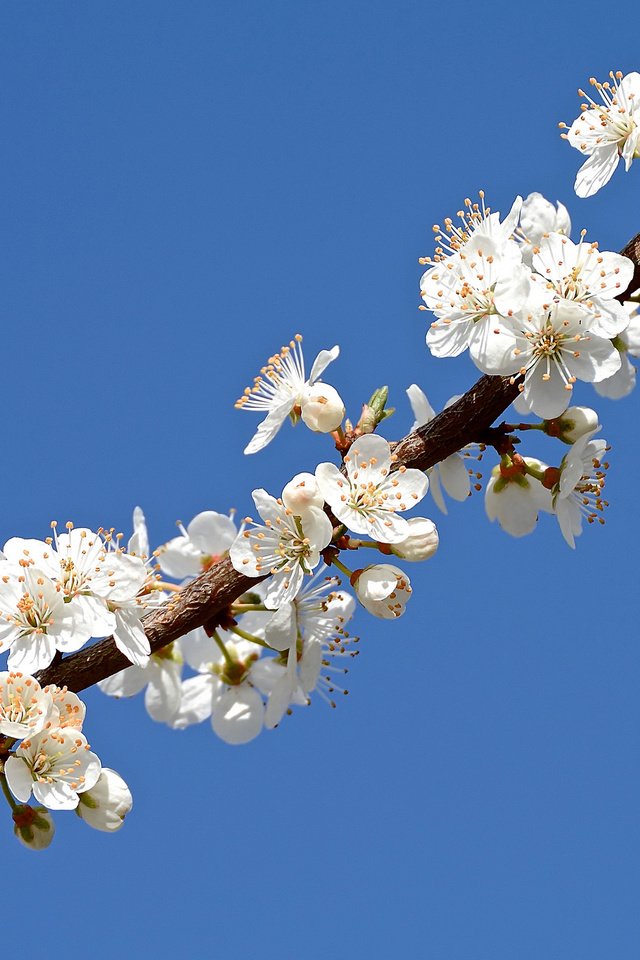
<point x="105" y="806"/>
<point x="421" y="543"/>
<point x="574" y="423"/>
<point x="383" y="590"/>
<point x="322" y="408"/>
<point x="515" y="501"/>
<point x="33" y="826"/>
<point x="301" y="493"/>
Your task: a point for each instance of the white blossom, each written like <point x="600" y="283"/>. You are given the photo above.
<point x="286" y="546"/>
<point x="370" y="497"/>
<point x="606" y="132"/>
<point x="475" y="219"/>
<point x="282" y="390"/>
<point x="224" y="689"/>
<point x="578" y="492"/>
<point x="200" y="544"/>
<point x="551" y="349"/>
<point x="515" y="499"/>
<point x="56" y="765"/>
<point x="628" y="345"/>
<point x="538" y="216"/>
<point x="160" y="678"/>
<point x="35" y="621"/>
<point x="474" y="293"/>
<point x="584" y="275"/>
<point x="107" y="803"/>
<point x="383" y="590"/>
<point x="25" y="707"/>
<point x="574" y="423"/>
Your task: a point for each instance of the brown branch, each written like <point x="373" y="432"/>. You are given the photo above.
<point x="465" y="421"/>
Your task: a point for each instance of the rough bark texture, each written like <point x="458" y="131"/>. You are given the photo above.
<point x="206" y="597"/>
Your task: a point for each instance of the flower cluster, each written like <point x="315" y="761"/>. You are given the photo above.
<point x="53" y="762"/>
<point x="548" y="319"/>
<point x="56" y="594"/>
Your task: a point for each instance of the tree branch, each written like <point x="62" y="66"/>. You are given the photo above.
<point x="210" y="594"/>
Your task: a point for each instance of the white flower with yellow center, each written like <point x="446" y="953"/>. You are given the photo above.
<point x="588" y="277"/>
<point x="474" y="219"/>
<point x="382" y="589"/>
<point x="56" y="765"/>
<point x="282" y="389"/>
<point x="35" y="621"/>
<point x="371" y="496"/>
<point x="551" y="349"/>
<point x="25" y="707"/>
<point x="606" y="132"/>
<point x="578" y="493"/>
<point x="474" y="293"/>
<point x="286" y="546"/>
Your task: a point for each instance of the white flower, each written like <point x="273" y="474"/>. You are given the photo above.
<point x="107" y="803"/>
<point x="628" y="344"/>
<point x="318" y="621"/>
<point x="286" y="546"/>
<point x="421" y="543"/>
<point x="606" y="131"/>
<point x="224" y="689"/>
<point x="474" y="219"/>
<point x="56" y="764"/>
<point x="126" y="585"/>
<point x="318" y="612"/>
<point x="68" y="708"/>
<point x="202" y="543"/>
<point x="162" y="678"/>
<point x="383" y="590"/>
<point x="35" y="621"/>
<point x="371" y="495"/>
<point x="451" y="472"/>
<point x="578" y="492"/>
<point x="72" y="562"/>
<point x="474" y="293"/>
<point x="587" y="276"/>
<point x="537" y="217"/>
<point x="322" y="409"/>
<point x="24" y="706"/>
<point x="282" y="390"/>
<point x="551" y="349"/>
<point x="514" y="498"/>
<point x="33" y="826"/>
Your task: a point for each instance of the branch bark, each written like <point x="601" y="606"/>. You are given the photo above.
<point x="211" y="593"/>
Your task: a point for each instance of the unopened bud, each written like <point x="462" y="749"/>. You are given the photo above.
<point x="301" y="493"/>
<point x="421" y="543"/>
<point x="105" y="806"/>
<point x="574" y="423"/>
<point x="322" y="408"/>
<point x="33" y="826"/>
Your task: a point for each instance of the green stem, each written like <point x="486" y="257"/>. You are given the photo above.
<point x="5" y="789"/>
<point x="225" y="653"/>
<point x="249" y="636"/>
<point x="246" y="607"/>
<point x="356" y="544"/>
<point x="339" y="531"/>
<point x="338" y="563"/>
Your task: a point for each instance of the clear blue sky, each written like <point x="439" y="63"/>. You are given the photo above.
<point x="184" y="186"/>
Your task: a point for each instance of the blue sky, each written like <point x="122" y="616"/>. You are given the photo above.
<point x="184" y="186"/>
